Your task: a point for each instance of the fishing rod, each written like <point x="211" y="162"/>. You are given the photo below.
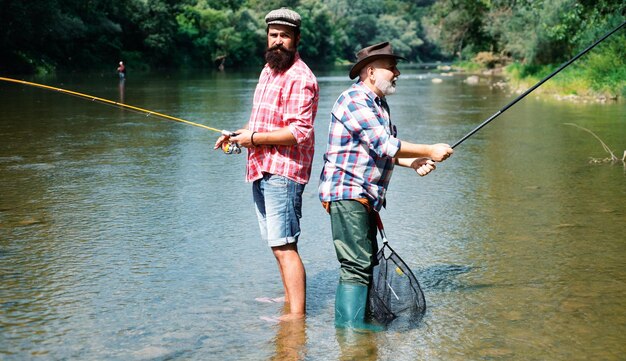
<point x="563" y="66"/>
<point x="227" y="147"/>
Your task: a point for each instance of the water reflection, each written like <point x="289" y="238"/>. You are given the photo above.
<point x="122" y="87"/>
<point x="290" y="340"/>
<point x="357" y="344"/>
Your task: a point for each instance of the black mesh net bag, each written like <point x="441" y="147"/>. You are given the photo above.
<point x="395" y="295"/>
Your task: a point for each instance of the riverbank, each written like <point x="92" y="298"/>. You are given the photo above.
<point x="598" y="79"/>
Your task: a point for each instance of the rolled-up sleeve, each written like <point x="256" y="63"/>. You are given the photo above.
<point x="300" y="107"/>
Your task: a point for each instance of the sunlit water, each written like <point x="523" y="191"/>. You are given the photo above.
<point x="126" y="237"/>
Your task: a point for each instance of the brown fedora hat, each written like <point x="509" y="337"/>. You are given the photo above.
<point x="371" y="53"/>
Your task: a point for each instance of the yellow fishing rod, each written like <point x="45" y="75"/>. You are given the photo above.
<point x="227" y="147"/>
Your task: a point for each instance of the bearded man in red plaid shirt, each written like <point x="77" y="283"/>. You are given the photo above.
<point x="362" y="150"/>
<point x="280" y="141"/>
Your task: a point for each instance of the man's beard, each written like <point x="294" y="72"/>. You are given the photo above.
<point x="385" y="86"/>
<point x="279" y="58"/>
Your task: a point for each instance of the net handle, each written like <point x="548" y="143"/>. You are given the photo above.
<point x="381" y="228"/>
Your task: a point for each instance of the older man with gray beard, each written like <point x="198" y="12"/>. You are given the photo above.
<point x="362" y="150"/>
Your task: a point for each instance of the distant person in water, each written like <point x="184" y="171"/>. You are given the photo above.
<point x="121" y="70"/>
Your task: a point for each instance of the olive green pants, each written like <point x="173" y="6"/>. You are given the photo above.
<point x="354" y="235"/>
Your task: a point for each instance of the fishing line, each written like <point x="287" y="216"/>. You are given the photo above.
<point x="563" y="66"/>
<point x="110" y="102"/>
<point x="227" y="147"/>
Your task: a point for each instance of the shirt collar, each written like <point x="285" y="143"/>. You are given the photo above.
<point x="370" y="93"/>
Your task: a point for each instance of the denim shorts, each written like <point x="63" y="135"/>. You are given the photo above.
<point x="278" y="203"/>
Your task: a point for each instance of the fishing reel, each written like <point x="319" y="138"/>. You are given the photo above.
<point x="230" y="147"/>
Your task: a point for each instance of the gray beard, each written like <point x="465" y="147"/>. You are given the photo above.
<point x="385" y="86"/>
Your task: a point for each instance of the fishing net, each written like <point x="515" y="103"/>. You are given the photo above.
<point x="395" y="294"/>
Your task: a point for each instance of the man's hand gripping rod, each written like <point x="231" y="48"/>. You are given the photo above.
<point x="229" y="147"/>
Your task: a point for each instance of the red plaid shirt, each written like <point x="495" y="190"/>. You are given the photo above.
<point x="284" y="100"/>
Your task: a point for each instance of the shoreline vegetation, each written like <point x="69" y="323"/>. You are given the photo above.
<point x="521" y="40"/>
<point x="595" y="80"/>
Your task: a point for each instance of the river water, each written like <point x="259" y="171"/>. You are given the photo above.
<point x="126" y="237"/>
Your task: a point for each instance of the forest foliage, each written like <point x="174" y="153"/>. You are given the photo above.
<point x="49" y="35"/>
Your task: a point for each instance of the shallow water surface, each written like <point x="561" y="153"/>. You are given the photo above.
<point x="126" y="237"/>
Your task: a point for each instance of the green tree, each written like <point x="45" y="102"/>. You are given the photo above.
<point x="457" y="26"/>
<point x="316" y="44"/>
<point x="243" y="41"/>
<point x="401" y="33"/>
<point x="538" y="32"/>
<point x="265" y="6"/>
<point x="159" y="28"/>
<point x="43" y="35"/>
<point x="213" y="36"/>
<point x="200" y="26"/>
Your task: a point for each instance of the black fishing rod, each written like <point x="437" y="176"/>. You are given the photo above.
<point x="563" y="66"/>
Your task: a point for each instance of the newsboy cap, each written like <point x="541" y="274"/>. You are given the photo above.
<point x="283" y="16"/>
<point x="371" y="53"/>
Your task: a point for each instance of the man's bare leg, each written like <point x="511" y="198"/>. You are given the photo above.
<point x="282" y="277"/>
<point x="294" y="279"/>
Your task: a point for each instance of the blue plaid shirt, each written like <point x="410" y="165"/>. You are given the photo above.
<point x="362" y="143"/>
